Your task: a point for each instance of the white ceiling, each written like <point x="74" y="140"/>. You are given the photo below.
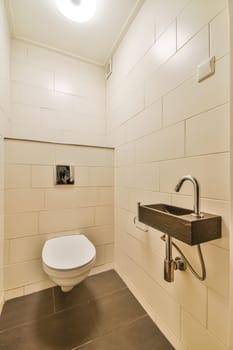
<point x="41" y="22"/>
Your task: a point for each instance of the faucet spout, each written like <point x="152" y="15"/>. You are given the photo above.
<point x="196" y="193"/>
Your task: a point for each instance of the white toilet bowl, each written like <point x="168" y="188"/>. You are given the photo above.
<point x="68" y="260"/>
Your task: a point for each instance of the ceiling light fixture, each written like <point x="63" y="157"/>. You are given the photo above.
<point x="77" y="10"/>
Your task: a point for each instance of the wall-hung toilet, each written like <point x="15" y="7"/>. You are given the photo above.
<point x="68" y="260"/>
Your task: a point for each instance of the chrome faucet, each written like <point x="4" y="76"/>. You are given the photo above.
<point x="196" y="193"/>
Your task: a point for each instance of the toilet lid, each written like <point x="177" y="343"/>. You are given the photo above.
<point x="68" y="252"/>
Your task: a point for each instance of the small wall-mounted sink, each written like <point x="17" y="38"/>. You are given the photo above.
<point x="180" y="223"/>
<point x="170" y="209"/>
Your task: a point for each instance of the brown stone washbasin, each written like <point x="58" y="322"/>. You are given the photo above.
<point x="180" y="223"/>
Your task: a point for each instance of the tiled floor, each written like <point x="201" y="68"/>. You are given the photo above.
<point x="99" y="314"/>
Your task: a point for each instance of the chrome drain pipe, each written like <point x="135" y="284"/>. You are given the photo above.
<point x="169" y="264"/>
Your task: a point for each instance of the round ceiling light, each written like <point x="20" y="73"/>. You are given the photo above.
<point x="77" y="10"/>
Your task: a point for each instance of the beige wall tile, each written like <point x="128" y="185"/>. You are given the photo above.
<point x="18" y="51"/>
<point x="208" y="132"/>
<point x="144" y="123"/>
<point x="26" y="116"/>
<point x="24" y="273"/>
<point x="222" y="209"/>
<point x="60" y="198"/>
<point x="18" y="201"/>
<point x="197" y="337"/>
<point x="54" y="112"/>
<point x="2" y="225"/>
<point x="131" y="104"/>
<point x="66" y="154"/>
<point x="149" y="137"/>
<point x="122" y="198"/>
<point x="101" y="176"/>
<point x="81" y="176"/>
<point x="83" y="156"/>
<point x="165" y="144"/>
<point x="104" y="215"/>
<point x="207" y="169"/>
<point x="17" y="176"/>
<point x="66" y="219"/>
<point x="31" y="75"/>
<point x="217" y="263"/>
<point x="109" y="253"/>
<point x="100" y="255"/>
<point x="24" y="152"/>
<point x="219" y="35"/>
<point x="218" y="316"/>
<point x="2" y="197"/>
<point x="192" y="98"/>
<point x="87" y="197"/>
<point x="38" y="286"/>
<point x="163" y="48"/>
<point x="194" y="16"/>
<point x="13" y="293"/>
<point x="26" y="248"/>
<point x="60" y="102"/>
<point x="179" y="68"/>
<point x="100" y="235"/>
<point x="64" y="198"/>
<point x="106" y="196"/>
<point x="125" y="154"/>
<point x="143" y="176"/>
<point x="165" y="12"/>
<point x="24" y="224"/>
<point x="43" y="176"/>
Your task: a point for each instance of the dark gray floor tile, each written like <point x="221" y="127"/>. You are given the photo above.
<point x="27" y="308"/>
<point x="92" y="288"/>
<point x="140" y="335"/>
<point x="115" y="310"/>
<point x="61" y="331"/>
<point x="101" y="313"/>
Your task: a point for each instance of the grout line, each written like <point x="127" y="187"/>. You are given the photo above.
<point x="111" y="331"/>
<point x="209" y="38"/>
<point x="27" y="323"/>
<point x="53" y="299"/>
<point x="89" y="300"/>
<point x="185" y="138"/>
<point x="169" y="125"/>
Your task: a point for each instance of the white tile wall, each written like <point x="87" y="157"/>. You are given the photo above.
<point x="53" y="93"/>
<point x="36" y="209"/>
<point x="194" y="16"/>
<point x="195" y="336"/>
<point x="183" y="128"/>
<point x="219" y="35"/>
<point x="4" y="123"/>
<point x="218" y="316"/>
<point x="192" y="98"/>
<point x="212" y="126"/>
<point x="178" y="68"/>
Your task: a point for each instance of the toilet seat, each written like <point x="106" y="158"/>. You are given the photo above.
<point x="68" y="252"/>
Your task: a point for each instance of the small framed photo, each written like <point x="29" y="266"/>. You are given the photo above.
<point x="64" y="175"/>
